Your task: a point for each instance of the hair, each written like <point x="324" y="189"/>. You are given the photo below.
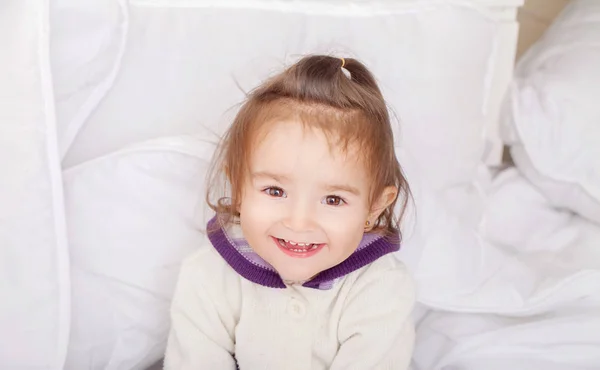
<point x="316" y="91"/>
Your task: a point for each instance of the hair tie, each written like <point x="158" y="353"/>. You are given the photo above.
<point x="344" y="70"/>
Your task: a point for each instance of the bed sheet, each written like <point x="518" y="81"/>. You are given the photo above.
<point x="551" y="263"/>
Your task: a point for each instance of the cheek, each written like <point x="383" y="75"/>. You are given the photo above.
<point x="345" y="236"/>
<point x="351" y="218"/>
<point x="346" y="225"/>
<point x="254" y="213"/>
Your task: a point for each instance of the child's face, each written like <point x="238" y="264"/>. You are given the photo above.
<point x="305" y="203"/>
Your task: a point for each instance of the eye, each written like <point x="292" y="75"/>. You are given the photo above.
<point x="274" y="192"/>
<point x="334" y="200"/>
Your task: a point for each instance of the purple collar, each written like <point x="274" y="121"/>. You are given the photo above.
<point x="231" y="245"/>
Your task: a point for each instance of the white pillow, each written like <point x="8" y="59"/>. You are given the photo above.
<point x="34" y="265"/>
<point x="132" y="216"/>
<point x="87" y="44"/>
<point x="178" y="77"/>
<point x="553" y="115"/>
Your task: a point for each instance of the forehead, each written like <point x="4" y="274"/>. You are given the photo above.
<point x="291" y="148"/>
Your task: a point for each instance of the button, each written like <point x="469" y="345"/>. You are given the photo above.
<point x="296" y="309"/>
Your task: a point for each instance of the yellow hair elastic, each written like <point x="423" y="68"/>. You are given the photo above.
<point x="344" y="70"/>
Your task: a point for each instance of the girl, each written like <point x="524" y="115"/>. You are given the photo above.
<point x="300" y="274"/>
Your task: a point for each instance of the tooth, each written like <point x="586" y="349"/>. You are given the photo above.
<point x="292" y="243"/>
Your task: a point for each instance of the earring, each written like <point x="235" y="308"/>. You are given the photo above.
<point x="367" y="224"/>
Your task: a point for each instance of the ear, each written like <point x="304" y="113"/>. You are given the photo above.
<point x="387" y="197"/>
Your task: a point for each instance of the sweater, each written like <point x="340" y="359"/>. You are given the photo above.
<point x="227" y="313"/>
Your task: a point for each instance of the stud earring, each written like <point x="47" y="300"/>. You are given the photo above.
<point x="368" y="223"/>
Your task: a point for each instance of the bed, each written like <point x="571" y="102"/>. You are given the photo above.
<point x="110" y="111"/>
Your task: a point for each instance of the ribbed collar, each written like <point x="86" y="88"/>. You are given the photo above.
<point x="231" y="245"/>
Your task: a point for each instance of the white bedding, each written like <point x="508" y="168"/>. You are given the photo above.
<point x="34" y="281"/>
<point x="524" y="294"/>
<point x="549" y="261"/>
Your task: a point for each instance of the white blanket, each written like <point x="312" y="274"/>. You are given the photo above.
<point x="549" y="261"/>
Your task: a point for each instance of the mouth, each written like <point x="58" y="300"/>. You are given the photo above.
<point x="298" y="249"/>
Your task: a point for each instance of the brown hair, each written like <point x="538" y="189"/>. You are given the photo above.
<point x="350" y="109"/>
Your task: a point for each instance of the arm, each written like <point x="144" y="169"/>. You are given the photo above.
<point x="201" y="335"/>
<point x="375" y="330"/>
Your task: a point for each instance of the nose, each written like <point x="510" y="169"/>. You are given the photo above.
<point x="299" y="217"/>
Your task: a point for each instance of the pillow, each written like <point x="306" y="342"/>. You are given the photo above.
<point x="86" y="48"/>
<point x="34" y="263"/>
<point x="552" y="118"/>
<point x="133" y="216"/>
<point x="176" y="77"/>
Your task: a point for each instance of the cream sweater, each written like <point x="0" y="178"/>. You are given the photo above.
<point x="361" y="322"/>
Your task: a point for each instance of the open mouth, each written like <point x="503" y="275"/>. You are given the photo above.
<point x="298" y="249"/>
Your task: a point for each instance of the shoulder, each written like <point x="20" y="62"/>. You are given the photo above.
<point x="380" y="298"/>
<point x="386" y="279"/>
<point x="203" y="263"/>
<point x="386" y="269"/>
<point x="207" y="272"/>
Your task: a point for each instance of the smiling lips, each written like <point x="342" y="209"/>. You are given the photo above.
<point x="298" y="250"/>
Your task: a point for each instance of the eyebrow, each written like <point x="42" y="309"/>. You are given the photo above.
<point x="328" y="187"/>
<point x="274" y="176"/>
<point x="346" y="188"/>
